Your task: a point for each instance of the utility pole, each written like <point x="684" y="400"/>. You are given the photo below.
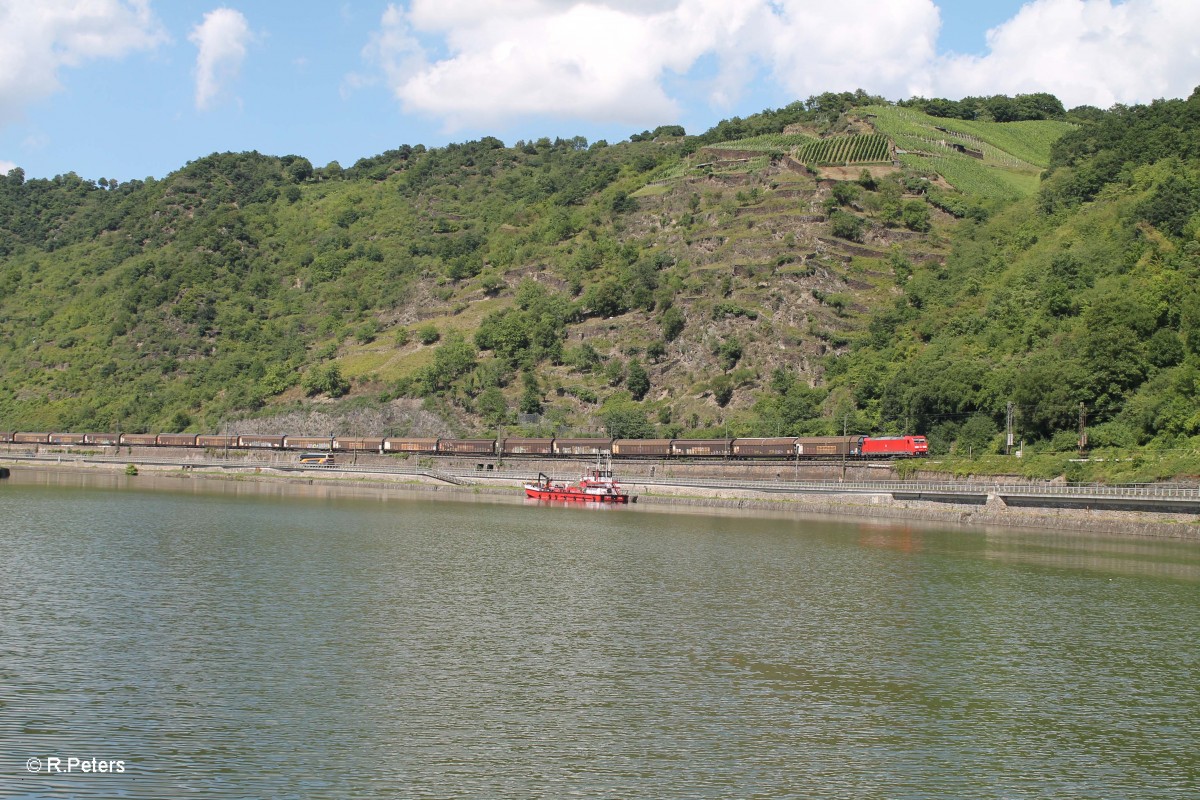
<point x="1008" y="424"/>
<point x="1082" y="429"/>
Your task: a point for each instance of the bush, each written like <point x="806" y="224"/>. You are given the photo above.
<point x="637" y="381"/>
<point x="672" y="323"/>
<point x="367" y="331"/>
<point x="846" y="193"/>
<point x="729" y="353"/>
<point x="915" y="215"/>
<point x="624" y="420"/>
<point x="326" y="380"/>
<point x="428" y="334"/>
<point x="722" y="389"/>
<point x="975" y="438"/>
<point x="846" y="226"/>
<point x="614" y="371"/>
<point x="1112" y="434"/>
<point x="584" y="394"/>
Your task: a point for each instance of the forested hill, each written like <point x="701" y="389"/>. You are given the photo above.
<point x="841" y="263"/>
<point x="1084" y="298"/>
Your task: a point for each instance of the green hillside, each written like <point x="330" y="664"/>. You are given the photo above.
<point x="1081" y="300"/>
<point x="776" y="275"/>
<point x="1009" y="158"/>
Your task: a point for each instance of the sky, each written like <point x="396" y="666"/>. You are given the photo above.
<point x="129" y="89"/>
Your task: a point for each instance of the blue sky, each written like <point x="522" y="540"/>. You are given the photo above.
<point x="135" y="88"/>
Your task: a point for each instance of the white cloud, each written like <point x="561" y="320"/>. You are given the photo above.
<point x="1093" y="52"/>
<point x="222" y="39"/>
<point x="5" y="166"/>
<point x="883" y="47"/>
<point x="610" y="59"/>
<point x="473" y="63"/>
<point x="38" y="39"/>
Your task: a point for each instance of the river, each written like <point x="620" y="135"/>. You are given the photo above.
<point x="219" y="639"/>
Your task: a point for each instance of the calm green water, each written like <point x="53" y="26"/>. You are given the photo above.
<point x="228" y="643"/>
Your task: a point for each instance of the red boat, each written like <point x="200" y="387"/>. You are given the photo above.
<point x="597" y="486"/>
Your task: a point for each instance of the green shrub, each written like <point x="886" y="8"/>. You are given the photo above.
<point x="325" y="379"/>
<point x="428" y="334"/>
<point x="846" y="226"/>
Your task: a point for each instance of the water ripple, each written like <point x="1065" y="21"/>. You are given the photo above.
<point x="231" y="644"/>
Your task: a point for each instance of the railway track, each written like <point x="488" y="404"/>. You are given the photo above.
<point x="1172" y="498"/>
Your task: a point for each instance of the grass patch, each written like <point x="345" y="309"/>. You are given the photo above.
<point x="1105" y="467"/>
<point x="652" y="190"/>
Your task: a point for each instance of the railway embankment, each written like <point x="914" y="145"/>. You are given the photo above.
<point x="865" y="491"/>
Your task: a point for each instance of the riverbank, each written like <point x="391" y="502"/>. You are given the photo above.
<point x="879" y="507"/>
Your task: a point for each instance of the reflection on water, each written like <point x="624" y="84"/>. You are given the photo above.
<point x="247" y="640"/>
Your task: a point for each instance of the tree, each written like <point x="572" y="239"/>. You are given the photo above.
<point x="531" y="397"/>
<point x="299" y="168"/>
<point x="427" y="334"/>
<point x="846" y="193"/>
<point x="622" y="203"/>
<point x="975" y="436"/>
<point x="846" y="226"/>
<point x="1115" y="346"/>
<point x="916" y="216"/>
<point x="326" y="380"/>
<point x="614" y="371"/>
<point x="625" y="420"/>
<point x="672" y="323"/>
<point x="604" y="299"/>
<point x="729" y="353"/>
<point x="636" y="379"/>
<point x="1173" y="202"/>
<point x="492" y="406"/>
<point x="722" y="389"/>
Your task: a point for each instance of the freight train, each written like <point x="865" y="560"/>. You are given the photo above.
<point x="779" y="448"/>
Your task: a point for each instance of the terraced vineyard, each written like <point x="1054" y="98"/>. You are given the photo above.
<point x="976" y="177"/>
<point x="1000" y="160"/>
<point x="770" y="142"/>
<point x="1014" y="153"/>
<point x="861" y="149"/>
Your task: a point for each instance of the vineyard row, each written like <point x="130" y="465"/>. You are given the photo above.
<point x="865" y="149"/>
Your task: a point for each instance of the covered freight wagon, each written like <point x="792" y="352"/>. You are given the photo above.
<point x="102" y="438"/>
<point x="359" y="443"/>
<point x="190" y="440"/>
<point x="143" y="439"/>
<point x="474" y="447"/>
<point x="31" y="438"/>
<point x="833" y="446"/>
<point x="66" y="438"/>
<point x="770" y="447"/>
<point x="260" y="441"/>
<point x="646" y="448"/>
<point x="394" y="445"/>
<point x="6" y="436"/>
<point x="514" y="446"/>
<point x="308" y="442"/>
<point x="696" y="448"/>
<point x="582" y="447"/>
<point x="208" y="440"/>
